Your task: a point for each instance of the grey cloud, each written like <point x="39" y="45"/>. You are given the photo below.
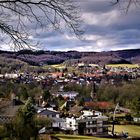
<point x="95" y="5"/>
<point x="112" y="30"/>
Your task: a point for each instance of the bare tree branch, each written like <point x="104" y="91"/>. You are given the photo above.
<point x="17" y="14"/>
<point x="127" y="3"/>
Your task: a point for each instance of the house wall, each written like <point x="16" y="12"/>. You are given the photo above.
<point x="90" y="113"/>
<point x="71" y="123"/>
<point x="58" y="124"/>
<point x="51" y="116"/>
<point x="135" y="119"/>
<point x="11" y="75"/>
<point x="89" y="123"/>
<point x="94" y="125"/>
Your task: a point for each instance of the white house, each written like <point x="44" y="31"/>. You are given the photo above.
<point x="92" y="123"/>
<point x="71" y="123"/>
<point x="69" y="94"/>
<point x="90" y="113"/>
<point x="1" y="75"/>
<point x="54" y="115"/>
<point x="48" y="113"/>
<point x="89" y="123"/>
<point x="11" y="75"/>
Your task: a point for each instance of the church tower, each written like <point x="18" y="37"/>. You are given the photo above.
<point x="93" y="92"/>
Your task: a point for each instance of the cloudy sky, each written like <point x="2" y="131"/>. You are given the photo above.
<point x="106" y="28"/>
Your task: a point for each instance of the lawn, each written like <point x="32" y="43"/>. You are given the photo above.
<point x="59" y="66"/>
<point x="124" y="65"/>
<point x="74" y="137"/>
<point x="132" y="130"/>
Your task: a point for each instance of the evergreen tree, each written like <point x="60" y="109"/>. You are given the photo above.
<point x="24" y="125"/>
<point x="136" y="106"/>
<point x="46" y="95"/>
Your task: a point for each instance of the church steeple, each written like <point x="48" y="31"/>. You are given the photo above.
<point x="93" y="92"/>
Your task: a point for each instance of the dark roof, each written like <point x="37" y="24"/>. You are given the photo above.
<point x="5" y="119"/>
<point x="76" y="109"/>
<point x="53" y="103"/>
<point x="88" y="99"/>
<point x="70" y="103"/>
<point x="58" y="119"/>
<point x="9" y="108"/>
<point x="48" y="112"/>
<point x="9" y="111"/>
<point x="4" y="103"/>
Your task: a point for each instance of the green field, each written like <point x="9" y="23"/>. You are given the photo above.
<point x="74" y="137"/>
<point x="124" y="65"/>
<point x="59" y="66"/>
<point x="132" y="130"/>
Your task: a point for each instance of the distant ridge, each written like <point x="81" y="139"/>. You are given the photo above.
<point x="41" y="57"/>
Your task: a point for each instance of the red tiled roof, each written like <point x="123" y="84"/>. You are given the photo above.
<point x="57" y="73"/>
<point x="103" y="105"/>
<point x="91" y="75"/>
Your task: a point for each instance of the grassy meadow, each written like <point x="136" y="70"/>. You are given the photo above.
<point x="132" y="130"/>
<point x="124" y="65"/>
<point x="75" y="137"/>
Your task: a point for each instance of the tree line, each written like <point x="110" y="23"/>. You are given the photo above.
<point x="126" y="94"/>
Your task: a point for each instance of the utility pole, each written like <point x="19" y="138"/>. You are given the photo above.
<point x="117" y="106"/>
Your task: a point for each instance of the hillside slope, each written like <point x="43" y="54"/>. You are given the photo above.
<point x="53" y="57"/>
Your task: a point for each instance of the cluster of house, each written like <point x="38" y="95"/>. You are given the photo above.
<point x="86" y="74"/>
<point x="88" y="122"/>
<point x="79" y="119"/>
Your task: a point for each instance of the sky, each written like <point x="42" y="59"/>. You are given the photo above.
<point x="106" y="27"/>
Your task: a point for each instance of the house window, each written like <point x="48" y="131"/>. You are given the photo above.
<point x="94" y="122"/>
<point x="88" y="130"/>
<point x="94" y="129"/>
<point x="59" y="124"/>
<point x="105" y="129"/>
<point x="105" y="122"/>
<point x="70" y="124"/>
<point x="88" y="123"/>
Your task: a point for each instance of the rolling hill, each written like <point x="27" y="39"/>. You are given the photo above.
<point x="38" y="58"/>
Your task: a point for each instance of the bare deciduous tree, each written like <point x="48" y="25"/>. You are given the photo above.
<point x="17" y="17"/>
<point x="126" y="3"/>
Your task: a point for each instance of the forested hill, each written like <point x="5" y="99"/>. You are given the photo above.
<point x="54" y="57"/>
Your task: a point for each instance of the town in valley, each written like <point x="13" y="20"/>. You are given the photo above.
<point x="72" y="98"/>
